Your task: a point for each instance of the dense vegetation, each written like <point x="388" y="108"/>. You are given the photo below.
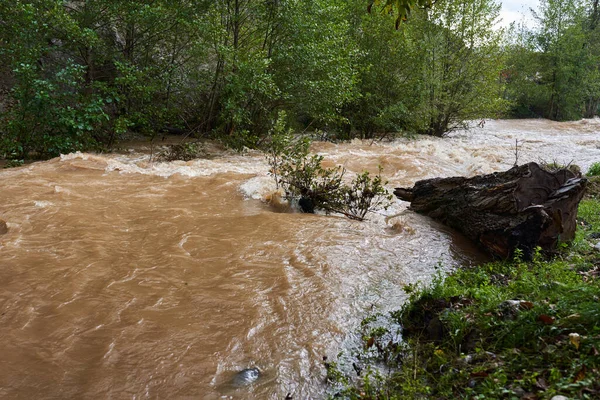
<point x="503" y="330"/>
<point x="553" y="71"/>
<point x="80" y="74"/>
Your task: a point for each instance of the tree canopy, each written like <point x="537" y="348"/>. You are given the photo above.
<point x="82" y="74"/>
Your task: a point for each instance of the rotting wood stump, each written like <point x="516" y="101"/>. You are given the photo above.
<point x="522" y="208"/>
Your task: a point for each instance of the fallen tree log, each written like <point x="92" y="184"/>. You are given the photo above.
<point x="522" y="208"/>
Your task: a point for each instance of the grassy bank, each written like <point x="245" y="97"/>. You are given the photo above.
<point x="500" y="330"/>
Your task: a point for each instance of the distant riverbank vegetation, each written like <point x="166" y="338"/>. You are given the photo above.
<point x="81" y="75"/>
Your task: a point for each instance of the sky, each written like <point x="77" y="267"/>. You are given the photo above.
<point x="514" y="10"/>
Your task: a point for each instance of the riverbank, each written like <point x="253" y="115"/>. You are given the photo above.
<point x="499" y="330"/>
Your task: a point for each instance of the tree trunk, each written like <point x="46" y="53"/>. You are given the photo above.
<point x="521" y="208"/>
<point x="591" y="106"/>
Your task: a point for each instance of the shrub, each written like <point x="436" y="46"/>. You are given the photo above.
<point x="305" y="181"/>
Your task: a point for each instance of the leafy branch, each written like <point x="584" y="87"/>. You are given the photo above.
<point x="402" y="7"/>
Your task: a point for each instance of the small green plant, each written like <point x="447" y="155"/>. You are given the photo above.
<point x="306" y="181"/>
<point x="594" y="169"/>
<point x="281" y="145"/>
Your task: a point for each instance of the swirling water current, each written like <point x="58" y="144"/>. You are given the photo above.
<point x="124" y="278"/>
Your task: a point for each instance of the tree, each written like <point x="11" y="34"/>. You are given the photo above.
<point x="82" y="73"/>
<point x="49" y="112"/>
<point x="457" y="63"/>
<point x="561" y="42"/>
<point x="553" y="68"/>
<point x="526" y="96"/>
<point x="591" y="77"/>
<point x="381" y="104"/>
<point x="314" y="61"/>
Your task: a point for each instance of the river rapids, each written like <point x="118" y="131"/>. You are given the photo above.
<point x="124" y="278"/>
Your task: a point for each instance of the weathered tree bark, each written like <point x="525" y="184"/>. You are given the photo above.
<point x="521" y="208"/>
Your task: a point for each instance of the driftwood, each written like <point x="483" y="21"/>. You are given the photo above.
<point x="521" y="208"/>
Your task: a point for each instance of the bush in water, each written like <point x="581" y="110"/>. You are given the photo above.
<point x="304" y="179"/>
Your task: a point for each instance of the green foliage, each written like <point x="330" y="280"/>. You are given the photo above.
<point x="281" y="145"/>
<point x="594" y="169"/>
<point x="13" y="163"/>
<point x="314" y="64"/>
<point x="48" y="113"/>
<point x="457" y="53"/>
<point x="364" y="194"/>
<point x="83" y="74"/>
<point x="552" y="70"/>
<point x="440" y="70"/>
<point x="561" y="40"/>
<point x="50" y="117"/>
<point x="506" y="329"/>
<point x="68" y="84"/>
<point x="381" y="105"/>
<point x="304" y="180"/>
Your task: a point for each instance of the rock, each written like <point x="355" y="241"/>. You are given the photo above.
<point x="246" y="377"/>
<point x="559" y="397"/>
<point x="306" y="205"/>
<point x="435" y="330"/>
<point x="597" y="246"/>
<point x="476" y="358"/>
<point x="516" y="305"/>
<point x="3" y="227"/>
<point x="513" y="304"/>
<point x="510" y="308"/>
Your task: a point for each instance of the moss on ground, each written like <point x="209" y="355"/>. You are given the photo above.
<point x="503" y="330"/>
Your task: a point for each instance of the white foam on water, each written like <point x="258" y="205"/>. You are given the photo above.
<point x="259" y="188"/>
<point x="141" y="164"/>
<point x="42" y="204"/>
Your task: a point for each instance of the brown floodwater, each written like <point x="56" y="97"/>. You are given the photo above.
<point x="129" y="279"/>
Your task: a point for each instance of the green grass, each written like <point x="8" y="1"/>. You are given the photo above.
<point x="594" y="169"/>
<point x="501" y="330"/>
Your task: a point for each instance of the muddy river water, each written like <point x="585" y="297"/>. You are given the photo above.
<point x="125" y="279"/>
